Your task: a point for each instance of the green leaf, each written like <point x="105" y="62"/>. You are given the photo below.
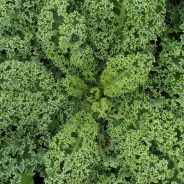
<point x="26" y="179"/>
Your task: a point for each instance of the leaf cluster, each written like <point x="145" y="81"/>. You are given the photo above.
<point x="92" y="91"/>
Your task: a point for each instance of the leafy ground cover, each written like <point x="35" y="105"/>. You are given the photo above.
<point x="91" y="91"/>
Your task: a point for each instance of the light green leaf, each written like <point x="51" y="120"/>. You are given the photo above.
<point x="26" y="179"/>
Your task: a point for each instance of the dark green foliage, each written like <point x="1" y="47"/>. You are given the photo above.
<point x="92" y="91"/>
<point x="17" y="29"/>
<point x="148" y="142"/>
<point x="30" y="99"/>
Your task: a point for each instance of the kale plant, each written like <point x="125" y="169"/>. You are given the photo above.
<point x="91" y="91"/>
